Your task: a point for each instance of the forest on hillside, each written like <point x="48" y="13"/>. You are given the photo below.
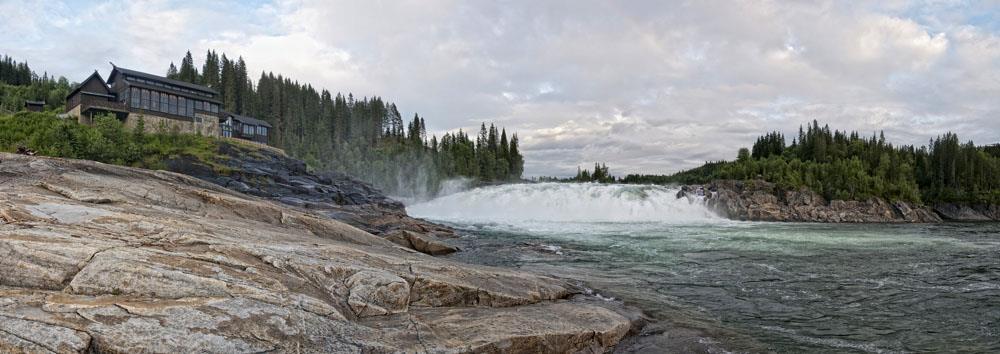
<point x="847" y="166"/>
<point x="18" y="84"/>
<point x="366" y="137"/>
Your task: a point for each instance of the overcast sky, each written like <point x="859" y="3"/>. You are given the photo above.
<point x="646" y="86"/>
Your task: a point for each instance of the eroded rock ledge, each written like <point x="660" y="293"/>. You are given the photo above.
<point x="267" y="173"/>
<point x="762" y="201"/>
<point x="106" y="259"/>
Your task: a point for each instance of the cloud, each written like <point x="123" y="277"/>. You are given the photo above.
<point x="646" y="86"/>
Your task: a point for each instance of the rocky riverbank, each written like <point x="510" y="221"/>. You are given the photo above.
<point x="763" y="201"/>
<point x="966" y="212"/>
<point x="105" y="259"/>
<point x="268" y="173"/>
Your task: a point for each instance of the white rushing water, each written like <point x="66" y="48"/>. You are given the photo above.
<point x="795" y="287"/>
<point x="565" y="203"/>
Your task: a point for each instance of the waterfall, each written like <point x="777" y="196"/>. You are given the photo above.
<point x="565" y="202"/>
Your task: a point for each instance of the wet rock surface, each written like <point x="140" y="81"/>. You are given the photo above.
<point x="104" y="259"/>
<point x="763" y="201"/>
<point x="268" y="173"/>
<point x="965" y="212"/>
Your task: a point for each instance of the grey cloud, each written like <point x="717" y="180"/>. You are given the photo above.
<point x="646" y="86"/>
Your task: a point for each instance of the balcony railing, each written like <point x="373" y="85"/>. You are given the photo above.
<point x="104" y="104"/>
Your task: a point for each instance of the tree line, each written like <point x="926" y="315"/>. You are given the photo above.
<point x="845" y="165"/>
<point x="600" y="174"/>
<point x="15" y="73"/>
<point x="365" y="137"/>
<point x="18" y="83"/>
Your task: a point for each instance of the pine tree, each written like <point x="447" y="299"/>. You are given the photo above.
<point x="516" y="160"/>
<point x="187" y="71"/>
<point x="228" y="89"/>
<point x="210" y="70"/>
<point x="172" y="71"/>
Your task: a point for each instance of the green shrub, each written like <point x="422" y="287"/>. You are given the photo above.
<point x="106" y="141"/>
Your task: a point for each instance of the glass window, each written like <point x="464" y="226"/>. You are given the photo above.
<point x="181" y="106"/>
<point x="154" y="101"/>
<point x="227" y="128"/>
<point x="190" y="108"/>
<point x="134" y="94"/>
<point x="197" y="105"/>
<point x="145" y="99"/>
<point x="173" y="105"/>
<point x="163" y="102"/>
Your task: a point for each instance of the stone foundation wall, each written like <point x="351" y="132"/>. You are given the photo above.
<point x="208" y="125"/>
<point x="75" y="112"/>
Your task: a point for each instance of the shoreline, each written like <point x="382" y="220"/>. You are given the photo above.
<point x="683" y="330"/>
<point x="759" y="200"/>
<point x="113" y="258"/>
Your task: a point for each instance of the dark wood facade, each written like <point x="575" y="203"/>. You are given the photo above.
<point x="132" y="92"/>
<point x="93" y="97"/>
<point x="160" y="96"/>
<point x="34" y="106"/>
<point x="242" y="127"/>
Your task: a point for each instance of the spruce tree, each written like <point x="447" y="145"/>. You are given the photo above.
<point x="187" y="71"/>
<point x="172" y="71"/>
<point x="210" y="70"/>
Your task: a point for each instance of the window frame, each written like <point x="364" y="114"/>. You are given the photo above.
<point x="134" y="97"/>
<point x="145" y="99"/>
<point x="173" y="105"/>
<point x="154" y="101"/>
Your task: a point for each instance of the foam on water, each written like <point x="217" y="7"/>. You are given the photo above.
<point x="565" y="203"/>
<point x="798" y="287"/>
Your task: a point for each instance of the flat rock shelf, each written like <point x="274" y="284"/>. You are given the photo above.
<point x="97" y="258"/>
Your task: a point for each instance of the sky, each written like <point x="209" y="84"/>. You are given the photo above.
<point x="645" y="86"/>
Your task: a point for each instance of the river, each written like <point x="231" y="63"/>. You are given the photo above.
<point x="786" y="287"/>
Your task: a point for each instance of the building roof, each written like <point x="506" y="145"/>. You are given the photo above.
<point x="163" y="79"/>
<point x="84" y="83"/>
<point x="35" y="103"/>
<point x="247" y="120"/>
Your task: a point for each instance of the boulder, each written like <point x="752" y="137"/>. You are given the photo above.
<point x="374" y="293"/>
<point x="421" y="242"/>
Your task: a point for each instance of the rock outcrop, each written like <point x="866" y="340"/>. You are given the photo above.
<point x="762" y="201"/>
<point x="268" y="173"/>
<point x="966" y="212"/>
<point x="104" y="259"/>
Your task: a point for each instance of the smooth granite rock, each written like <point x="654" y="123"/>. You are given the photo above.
<point x="269" y="173"/>
<point x="97" y="258"/>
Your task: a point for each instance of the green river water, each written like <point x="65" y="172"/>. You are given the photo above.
<point x="785" y="287"/>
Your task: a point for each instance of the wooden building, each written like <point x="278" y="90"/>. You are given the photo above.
<point x="243" y="127"/>
<point x="34" y="106"/>
<point x="93" y="97"/>
<point x="160" y="103"/>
